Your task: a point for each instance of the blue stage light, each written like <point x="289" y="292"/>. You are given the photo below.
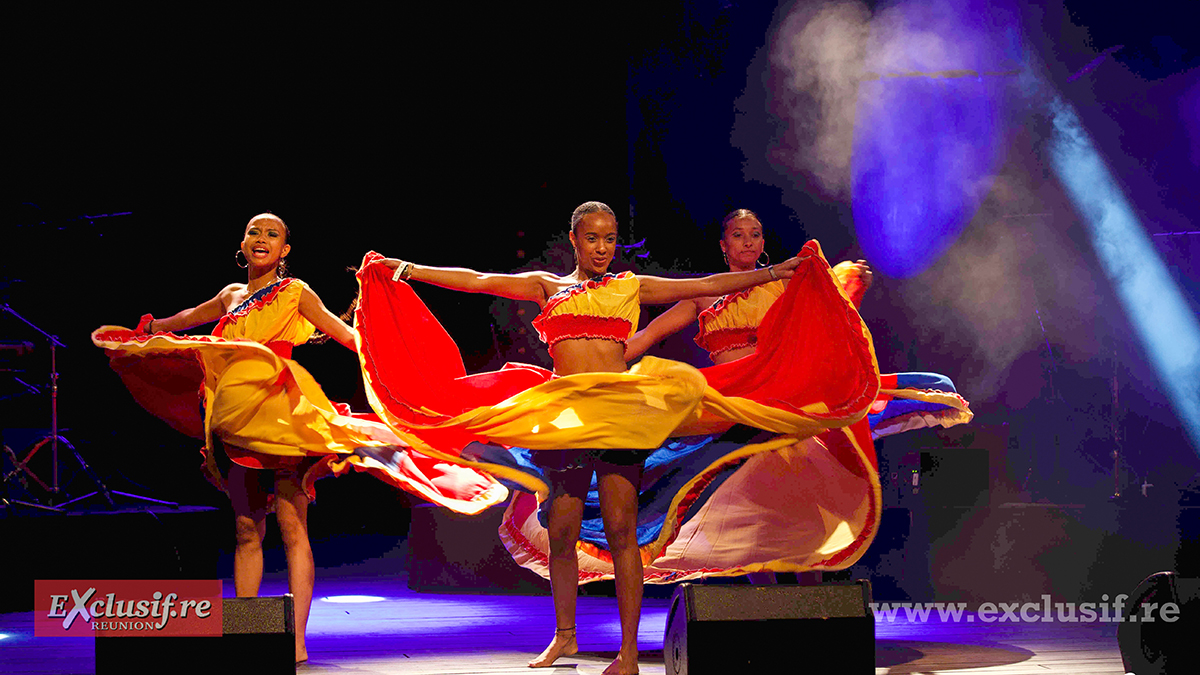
<point x="1167" y="327"/>
<point x="930" y="126"/>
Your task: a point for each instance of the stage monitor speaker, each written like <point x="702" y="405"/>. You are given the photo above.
<point x="1151" y="644"/>
<point x="258" y="636"/>
<point x="770" y="629"/>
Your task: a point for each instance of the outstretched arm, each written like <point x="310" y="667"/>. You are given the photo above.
<point x="203" y="313"/>
<point x="523" y="286"/>
<point x="855" y="277"/>
<point x="655" y="290"/>
<point x="683" y="314"/>
<point x="314" y="310"/>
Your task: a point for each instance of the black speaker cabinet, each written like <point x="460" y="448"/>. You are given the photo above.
<point x="770" y="629"/>
<point x="1151" y="644"/>
<point x="259" y="636"/>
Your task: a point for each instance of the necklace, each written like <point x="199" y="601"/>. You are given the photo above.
<point x="250" y="292"/>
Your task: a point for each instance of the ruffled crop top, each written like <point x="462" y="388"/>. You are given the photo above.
<point x="603" y="308"/>
<point x="732" y="321"/>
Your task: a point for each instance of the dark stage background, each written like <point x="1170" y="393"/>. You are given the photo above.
<point x="139" y="146"/>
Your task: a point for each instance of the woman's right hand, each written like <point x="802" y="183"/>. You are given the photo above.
<point x="785" y="269"/>
<point x="143" y="327"/>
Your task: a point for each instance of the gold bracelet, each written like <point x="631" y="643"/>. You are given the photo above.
<point x="403" y="271"/>
<point x="771" y="270"/>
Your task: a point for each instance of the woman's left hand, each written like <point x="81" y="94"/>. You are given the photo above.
<point x="863" y="271"/>
<point x="855" y="277"/>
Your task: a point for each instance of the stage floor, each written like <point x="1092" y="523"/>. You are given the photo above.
<point x="421" y="634"/>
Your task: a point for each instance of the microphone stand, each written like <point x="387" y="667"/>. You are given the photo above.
<point x="55" y="438"/>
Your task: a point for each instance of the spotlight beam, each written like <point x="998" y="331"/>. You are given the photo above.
<point x="1166" y="326"/>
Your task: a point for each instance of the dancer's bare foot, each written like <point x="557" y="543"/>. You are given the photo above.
<point x="624" y="664"/>
<point x="301" y="652"/>
<point x="563" y="644"/>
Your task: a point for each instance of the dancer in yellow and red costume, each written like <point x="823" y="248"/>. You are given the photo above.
<point x="781" y="511"/>
<point x="548" y="431"/>
<point x="266" y="425"/>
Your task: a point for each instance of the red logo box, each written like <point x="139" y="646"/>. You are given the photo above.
<point x="124" y="607"/>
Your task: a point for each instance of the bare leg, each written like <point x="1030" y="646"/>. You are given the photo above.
<point x="250" y="525"/>
<point x="619" y="507"/>
<point x="291" y="509"/>
<point x="565" y="521"/>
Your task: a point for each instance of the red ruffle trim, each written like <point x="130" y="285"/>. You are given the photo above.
<point x="125" y="335"/>
<point x="282" y="348"/>
<point x="233" y="317"/>
<point x="725" y="339"/>
<point x="553" y="329"/>
<point x="581" y="287"/>
<point x="721" y="303"/>
<point x="547" y="324"/>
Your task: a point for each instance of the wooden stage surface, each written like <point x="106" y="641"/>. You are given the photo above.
<point x="406" y="632"/>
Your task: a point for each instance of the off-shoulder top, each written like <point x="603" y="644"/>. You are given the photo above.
<point x="270" y="316"/>
<point x="603" y="308"/>
<point x="732" y="321"/>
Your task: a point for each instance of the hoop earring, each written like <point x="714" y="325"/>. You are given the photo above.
<point x="240" y="263"/>
<point x="768" y="263"/>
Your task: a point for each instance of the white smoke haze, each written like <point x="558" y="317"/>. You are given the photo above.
<point x="824" y="51"/>
<point x="820" y="49"/>
<point x="1013" y="274"/>
<point x="1021" y="274"/>
<point x="909" y="38"/>
<point x="983" y="302"/>
<point x="983" y="305"/>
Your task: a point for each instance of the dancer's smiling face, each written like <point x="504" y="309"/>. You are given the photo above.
<point x="265" y="240"/>
<point x="595" y="242"/>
